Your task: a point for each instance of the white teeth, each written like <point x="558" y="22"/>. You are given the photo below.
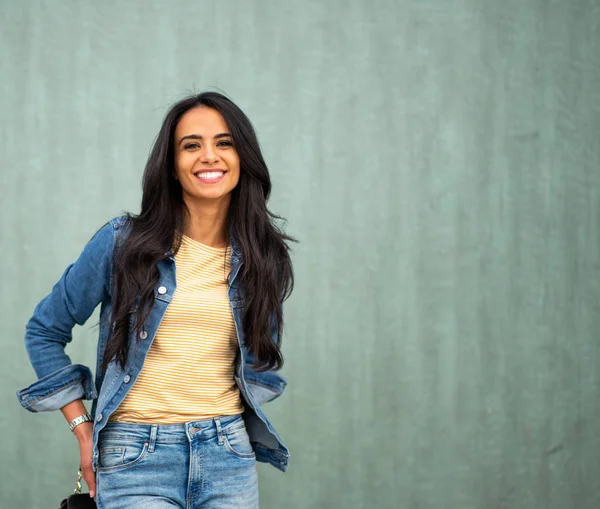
<point x="210" y="175"/>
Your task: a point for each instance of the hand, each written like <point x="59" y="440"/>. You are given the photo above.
<point x="84" y="433"/>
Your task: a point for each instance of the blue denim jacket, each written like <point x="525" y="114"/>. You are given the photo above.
<point x="88" y="282"/>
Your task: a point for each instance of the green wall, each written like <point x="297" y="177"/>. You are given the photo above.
<point x="440" y="163"/>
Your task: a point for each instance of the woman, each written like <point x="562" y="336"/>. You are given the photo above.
<point x="191" y="293"/>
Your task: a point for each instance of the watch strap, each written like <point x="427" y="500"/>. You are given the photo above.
<point x="78" y="420"/>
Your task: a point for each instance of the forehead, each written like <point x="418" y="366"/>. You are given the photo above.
<point x="201" y="120"/>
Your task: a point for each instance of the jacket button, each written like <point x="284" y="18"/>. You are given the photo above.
<point x="143" y="334"/>
<point x="99" y="417"/>
<point x="162" y="290"/>
<point x="126" y="379"/>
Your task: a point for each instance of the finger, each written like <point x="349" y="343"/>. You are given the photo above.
<point x="90" y="479"/>
<point x="88" y="474"/>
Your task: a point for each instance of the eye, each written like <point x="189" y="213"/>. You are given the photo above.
<point x="196" y="145"/>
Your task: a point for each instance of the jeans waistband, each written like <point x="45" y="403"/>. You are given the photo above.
<point x="164" y="433"/>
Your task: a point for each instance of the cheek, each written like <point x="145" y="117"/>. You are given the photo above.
<point x="235" y="163"/>
<point x="235" y="177"/>
<point x="183" y="163"/>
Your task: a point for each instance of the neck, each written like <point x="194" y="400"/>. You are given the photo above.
<point x="207" y="222"/>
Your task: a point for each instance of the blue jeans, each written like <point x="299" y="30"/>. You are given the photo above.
<point x="198" y="464"/>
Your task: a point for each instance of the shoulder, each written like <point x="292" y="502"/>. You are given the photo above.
<point x="120" y="222"/>
<point x="121" y="226"/>
<point x="108" y="236"/>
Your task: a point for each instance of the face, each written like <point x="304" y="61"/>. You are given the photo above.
<point x="206" y="162"/>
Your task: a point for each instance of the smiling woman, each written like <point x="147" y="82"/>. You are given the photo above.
<point x="191" y="292"/>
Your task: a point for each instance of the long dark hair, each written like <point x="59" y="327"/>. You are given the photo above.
<point x="266" y="274"/>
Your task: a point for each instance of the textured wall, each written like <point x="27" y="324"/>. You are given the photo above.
<point x="439" y="160"/>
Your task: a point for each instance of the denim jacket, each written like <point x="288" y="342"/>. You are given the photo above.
<point x="88" y="282"/>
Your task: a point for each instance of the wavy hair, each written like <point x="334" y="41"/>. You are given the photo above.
<point x="266" y="273"/>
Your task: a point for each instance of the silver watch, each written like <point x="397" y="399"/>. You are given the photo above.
<point x="79" y="420"/>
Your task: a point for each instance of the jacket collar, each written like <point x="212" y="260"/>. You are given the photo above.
<point x="236" y="250"/>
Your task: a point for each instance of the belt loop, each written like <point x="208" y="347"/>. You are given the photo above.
<point x="219" y="430"/>
<point x="153" y="433"/>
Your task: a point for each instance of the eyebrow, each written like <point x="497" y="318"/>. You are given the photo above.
<point x="198" y="137"/>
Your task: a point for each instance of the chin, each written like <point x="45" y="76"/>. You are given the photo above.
<point x="209" y="196"/>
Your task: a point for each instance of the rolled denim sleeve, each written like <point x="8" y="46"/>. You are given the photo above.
<point x="83" y="285"/>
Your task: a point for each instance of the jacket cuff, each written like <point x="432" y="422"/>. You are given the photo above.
<point x="59" y="388"/>
<point x="266" y="387"/>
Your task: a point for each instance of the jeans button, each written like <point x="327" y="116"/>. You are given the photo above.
<point x="126" y="379"/>
<point x="143" y="334"/>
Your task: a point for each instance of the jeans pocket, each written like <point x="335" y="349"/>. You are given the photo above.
<point x="237" y="442"/>
<point x="118" y="454"/>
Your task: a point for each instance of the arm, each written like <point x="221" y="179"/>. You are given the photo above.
<point x="84" y="434"/>
<point x="82" y="286"/>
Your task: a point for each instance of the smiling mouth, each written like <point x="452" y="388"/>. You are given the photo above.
<point x="210" y="175"/>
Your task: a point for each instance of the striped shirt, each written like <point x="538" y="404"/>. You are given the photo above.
<point x="188" y="371"/>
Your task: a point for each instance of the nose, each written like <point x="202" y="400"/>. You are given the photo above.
<point x="209" y="155"/>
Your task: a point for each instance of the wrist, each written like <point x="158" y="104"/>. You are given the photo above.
<point x="79" y="420"/>
<point x="83" y="431"/>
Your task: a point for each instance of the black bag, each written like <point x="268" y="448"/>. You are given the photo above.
<point x="78" y="500"/>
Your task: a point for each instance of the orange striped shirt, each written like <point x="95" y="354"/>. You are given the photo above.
<point x="188" y="371"/>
